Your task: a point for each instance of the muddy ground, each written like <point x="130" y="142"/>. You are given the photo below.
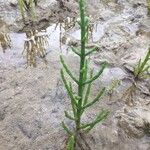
<point x="33" y="100"/>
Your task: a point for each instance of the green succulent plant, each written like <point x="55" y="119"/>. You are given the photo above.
<point x="80" y="99"/>
<point x="142" y="67"/>
<point x="148" y="6"/>
<point x="27" y="6"/>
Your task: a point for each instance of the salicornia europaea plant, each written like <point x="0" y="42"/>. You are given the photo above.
<point x="80" y="100"/>
<point x="27" y="6"/>
<point x="148" y="6"/>
<point x="142" y="67"/>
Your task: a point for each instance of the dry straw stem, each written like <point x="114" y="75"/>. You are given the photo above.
<point x="34" y="47"/>
<point x="5" y="41"/>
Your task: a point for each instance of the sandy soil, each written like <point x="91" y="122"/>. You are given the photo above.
<point x="33" y="100"/>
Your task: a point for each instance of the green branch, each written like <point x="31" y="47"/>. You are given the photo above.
<point x="68" y="116"/>
<point x="91" y="51"/>
<point x="99" y="118"/>
<point x="88" y="91"/>
<point x="76" y="51"/>
<point x="67" y="70"/>
<point x="96" y="99"/>
<point x="71" y="143"/>
<point x="97" y="75"/>
<point x="73" y="101"/>
<point x="66" y="129"/>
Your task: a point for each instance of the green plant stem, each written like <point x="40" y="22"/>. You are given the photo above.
<point x="148" y="6"/>
<point x="21" y="7"/>
<point x="142" y="66"/>
<point x="146" y="59"/>
<point x="82" y="63"/>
